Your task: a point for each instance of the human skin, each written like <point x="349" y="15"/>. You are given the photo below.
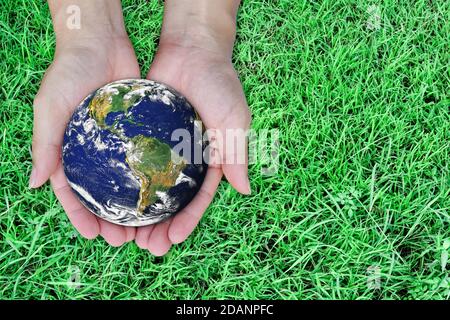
<point x="194" y="57"/>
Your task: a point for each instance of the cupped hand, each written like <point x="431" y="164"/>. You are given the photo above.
<point x="209" y="81"/>
<point x="77" y="70"/>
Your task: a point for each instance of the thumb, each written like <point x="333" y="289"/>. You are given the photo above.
<point x="48" y="133"/>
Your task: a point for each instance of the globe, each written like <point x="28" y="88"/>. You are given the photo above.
<point x="122" y="158"/>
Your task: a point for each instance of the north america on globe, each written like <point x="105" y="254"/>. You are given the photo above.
<point x="118" y="152"/>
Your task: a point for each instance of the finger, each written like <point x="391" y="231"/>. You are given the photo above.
<point x="84" y="221"/>
<point x="187" y="219"/>
<point x="158" y="243"/>
<point x="130" y="233"/>
<point x="48" y="131"/>
<point x="235" y="168"/>
<point x="142" y="236"/>
<point x="234" y="152"/>
<point x="237" y="176"/>
<point x="114" y="234"/>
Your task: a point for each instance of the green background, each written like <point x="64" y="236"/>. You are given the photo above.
<point x="362" y="190"/>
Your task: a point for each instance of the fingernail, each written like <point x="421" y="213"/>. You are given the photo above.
<point x="32" y="183"/>
<point x="249" y="190"/>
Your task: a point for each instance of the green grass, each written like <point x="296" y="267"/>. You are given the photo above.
<point x="363" y="182"/>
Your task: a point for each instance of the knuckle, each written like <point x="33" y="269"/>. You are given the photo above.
<point x="40" y="148"/>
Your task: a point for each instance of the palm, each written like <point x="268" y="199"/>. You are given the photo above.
<point x="209" y="82"/>
<point x="212" y="86"/>
<point x="75" y="73"/>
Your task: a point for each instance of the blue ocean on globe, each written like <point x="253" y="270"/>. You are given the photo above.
<point x="118" y="152"/>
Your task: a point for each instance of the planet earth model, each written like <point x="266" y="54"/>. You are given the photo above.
<point x="118" y="152"/>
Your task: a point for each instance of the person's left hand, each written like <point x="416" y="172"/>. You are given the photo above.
<point x="80" y="67"/>
<point x="208" y="80"/>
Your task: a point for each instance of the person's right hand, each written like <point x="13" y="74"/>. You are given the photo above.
<point x="80" y="66"/>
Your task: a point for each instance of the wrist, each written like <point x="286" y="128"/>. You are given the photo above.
<point x="201" y="24"/>
<point x="79" y="22"/>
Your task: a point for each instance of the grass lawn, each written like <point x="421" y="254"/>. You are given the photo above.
<point x="359" y="208"/>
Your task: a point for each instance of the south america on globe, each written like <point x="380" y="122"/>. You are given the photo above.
<point x="119" y="152"/>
